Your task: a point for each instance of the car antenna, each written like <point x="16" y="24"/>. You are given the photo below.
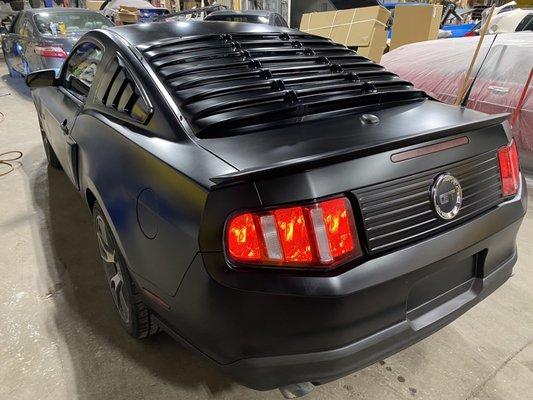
<point x="484" y="28"/>
<point x="469" y="90"/>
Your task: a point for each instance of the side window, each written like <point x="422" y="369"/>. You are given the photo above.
<point x="526" y="24"/>
<point x="81" y="69"/>
<point x="121" y="92"/>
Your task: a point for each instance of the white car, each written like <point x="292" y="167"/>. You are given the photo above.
<point x="512" y="21"/>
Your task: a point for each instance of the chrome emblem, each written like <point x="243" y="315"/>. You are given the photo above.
<point x="447" y="196"/>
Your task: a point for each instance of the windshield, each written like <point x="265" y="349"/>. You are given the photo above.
<point x="254" y="19"/>
<point x="69" y="22"/>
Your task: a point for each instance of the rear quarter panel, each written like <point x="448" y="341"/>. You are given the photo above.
<point x="118" y="160"/>
<point x="116" y="170"/>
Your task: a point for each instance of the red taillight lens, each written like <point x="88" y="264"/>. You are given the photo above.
<point x="49" y="51"/>
<point x="509" y="169"/>
<point x="293" y="234"/>
<point x="318" y="235"/>
<point x="338" y="224"/>
<point x="243" y="241"/>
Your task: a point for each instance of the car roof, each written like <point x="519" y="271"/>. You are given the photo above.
<point x="263" y="13"/>
<point x="137" y="34"/>
<point x="56" y="10"/>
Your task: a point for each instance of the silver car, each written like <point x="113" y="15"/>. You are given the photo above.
<point x="42" y="38"/>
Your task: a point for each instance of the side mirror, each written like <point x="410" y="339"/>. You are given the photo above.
<point x="43" y="78"/>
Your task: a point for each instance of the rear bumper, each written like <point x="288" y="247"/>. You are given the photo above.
<point x="270" y="330"/>
<point x="320" y="367"/>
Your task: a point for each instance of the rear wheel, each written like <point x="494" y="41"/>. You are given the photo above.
<point x="135" y="317"/>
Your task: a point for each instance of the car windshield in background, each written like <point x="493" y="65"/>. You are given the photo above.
<point x="69" y="22"/>
<point x="253" y="19"/>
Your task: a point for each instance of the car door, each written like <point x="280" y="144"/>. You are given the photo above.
<point x="502" y="83"/>
<point x="502" y="78"/>
<point x="63" y="104"/>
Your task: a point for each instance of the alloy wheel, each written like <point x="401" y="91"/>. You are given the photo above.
<point x="113" y="269"/>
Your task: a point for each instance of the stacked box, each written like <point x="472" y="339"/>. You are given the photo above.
<point x="128" y="15"/>
<point x="415" y="23"/>
<point x="364" y="28"/>
<point x="94" y="4"/>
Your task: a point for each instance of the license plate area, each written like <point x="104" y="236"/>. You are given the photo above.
<point x="447" y="280"/>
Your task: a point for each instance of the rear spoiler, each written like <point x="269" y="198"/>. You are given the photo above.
<point x="314" y="161"/>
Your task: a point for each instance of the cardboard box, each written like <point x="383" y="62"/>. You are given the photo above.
<point x="374" y="51"/>
<point x="128" y="15"/>
<point x="93" y="4"/>
<point x="364" y="28"/>
<point x="415" y="23"/>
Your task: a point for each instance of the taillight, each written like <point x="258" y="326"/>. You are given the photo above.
<point x="509" y="169"/>
<point x="319" y="235"/>
<point x="50" y="51"/>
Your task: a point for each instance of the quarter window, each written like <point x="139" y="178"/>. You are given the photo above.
<point x="121" y="92"/>
<point x="526" y="24"/>
<point x="27" y="29"/>
<point x="81" y="69"/>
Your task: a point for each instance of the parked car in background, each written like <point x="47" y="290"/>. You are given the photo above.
<point x="250" y="16"/>
<point x="42" y="38"/>
<point x="511" y="21"/>
<point x="147" y="11"/>
<point x="286" y="207"/>
<point x="502" y="70"/>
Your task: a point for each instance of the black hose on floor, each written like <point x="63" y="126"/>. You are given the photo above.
<point x="11" y="156"/>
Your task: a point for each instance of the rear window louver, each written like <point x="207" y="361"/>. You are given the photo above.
<point x="119" y="91"/>
<point x="231" y="84"/>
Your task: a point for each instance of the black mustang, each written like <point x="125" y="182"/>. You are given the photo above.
<point x="286" y="207"/>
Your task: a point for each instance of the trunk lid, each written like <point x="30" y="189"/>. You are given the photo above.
<point x="66" y="41"/>
<point x="346" y="135"/>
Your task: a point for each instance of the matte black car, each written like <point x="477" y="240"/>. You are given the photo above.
<point x="250" y="16"/>
<point x="286" y="207"/>
<point x="36" y="41"/>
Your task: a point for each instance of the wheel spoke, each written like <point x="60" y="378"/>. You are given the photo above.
<point x="113" y="269"/>
<point x="106" y="251"/>
<point x="117" y="290"/>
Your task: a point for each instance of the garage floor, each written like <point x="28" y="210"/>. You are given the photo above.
<point x="60" y="339"/>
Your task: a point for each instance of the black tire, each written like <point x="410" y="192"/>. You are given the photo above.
<point x="53" y="161"/>
<point x="134" y="316"/>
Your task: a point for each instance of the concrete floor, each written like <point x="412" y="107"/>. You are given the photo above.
<point x="60" y="338"/>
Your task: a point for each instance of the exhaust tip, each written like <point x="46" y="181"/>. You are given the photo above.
<point x="296" y="390"/>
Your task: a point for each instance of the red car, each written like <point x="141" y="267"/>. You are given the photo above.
<point x="501" y="74"/>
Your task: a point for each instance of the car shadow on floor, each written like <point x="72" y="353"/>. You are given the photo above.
<point x="17" y="85"/>
<point x="106" y="362"/>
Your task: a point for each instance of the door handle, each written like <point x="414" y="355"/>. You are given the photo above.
<point x="64" y="127"/>
<point x="499" y="89"/>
